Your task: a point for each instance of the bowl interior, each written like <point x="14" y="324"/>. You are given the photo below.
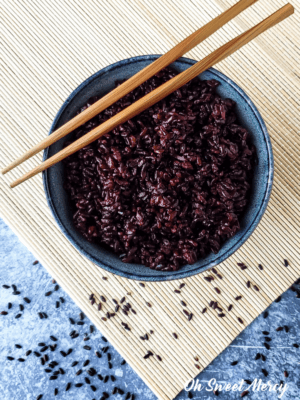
<point x="248" y="116"/>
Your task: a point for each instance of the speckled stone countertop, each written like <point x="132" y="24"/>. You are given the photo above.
<point x="26" y="380"/>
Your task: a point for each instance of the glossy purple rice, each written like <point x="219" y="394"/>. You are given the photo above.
<point x="154" y="170"/>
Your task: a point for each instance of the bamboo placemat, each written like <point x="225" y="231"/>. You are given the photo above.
<point x="49" y="47"/>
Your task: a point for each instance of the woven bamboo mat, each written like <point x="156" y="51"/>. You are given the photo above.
<point x="49" y="47"/>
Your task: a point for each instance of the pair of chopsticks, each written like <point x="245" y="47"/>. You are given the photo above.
<point x="154" y="96"/>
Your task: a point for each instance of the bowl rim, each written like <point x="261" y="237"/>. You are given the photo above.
<point x="176" y="274"/>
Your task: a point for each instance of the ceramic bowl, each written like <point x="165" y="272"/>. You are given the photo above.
<point x="101" y="83"/>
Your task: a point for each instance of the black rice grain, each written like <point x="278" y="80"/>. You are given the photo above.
<point x="72" y="321"/>
<point x="93" y="388"/>
<point x="78" y="385"/>
<point x="74" y="363"/>
<point x="244" y="393"/>
<point x="266" y="314"/>
<point x="87" y="347"/>
<point x="234" y="363"/>
<point x="286" y="263"/>
<point x="68" y="387"/>
<point x="39" y="397"/>
<point x="267" y="346"/>
<point x="10" y="358"/>
<point x="81" y="316"/>
<point x="48" y="293"/>
<point x="238" y="298"/>
<point x="55" y="391"/>
<point x="18" y="316"/>
<point x="265" y="372"/>
<point x="240" y="320"/>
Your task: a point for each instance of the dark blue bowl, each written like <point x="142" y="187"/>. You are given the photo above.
<point x="101" y="83"/>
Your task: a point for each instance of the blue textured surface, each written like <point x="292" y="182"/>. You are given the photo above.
<point x="19" y="381"/>
<point x="103" y="82"/>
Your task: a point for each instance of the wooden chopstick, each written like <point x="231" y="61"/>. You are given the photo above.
<point x="162" y="91"/>
<point x="179" y="50"/>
